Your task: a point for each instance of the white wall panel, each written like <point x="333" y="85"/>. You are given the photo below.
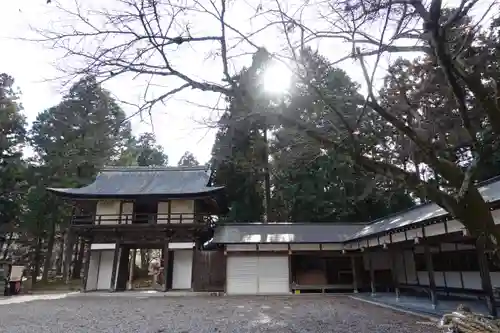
<point x="273" y="247"/>
<point x="304" y="247"/>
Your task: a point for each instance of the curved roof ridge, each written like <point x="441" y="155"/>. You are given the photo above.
<point x="153" y="168"/>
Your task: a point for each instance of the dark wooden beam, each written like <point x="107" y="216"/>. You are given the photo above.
<point x="372" y="273"/>
<point x="430" y="271"/>
<point x="87" y="265"/>
<point x="354" y="274"/>
<point x="165" y="265"/>
<point x="112" y="286"/>
<point x="485" y="276"/>
<point x="414" y="265"/>
<point x="194" y="285"/>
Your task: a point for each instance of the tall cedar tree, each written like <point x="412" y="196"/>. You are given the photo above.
<point x="315" y="184"/>
<point x="237" y="155"/>
<point x="12" y="139"/>
<point x="72" y="141"/>
<point x="188" y="159"/>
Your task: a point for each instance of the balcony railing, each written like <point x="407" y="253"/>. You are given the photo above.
<point x="144" y="219"/>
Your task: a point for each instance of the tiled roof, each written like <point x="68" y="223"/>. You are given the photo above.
<point x="490" y="192"/>
<point x="309" y="232"/>
<point x="131" y="181"/>
<point x="306" y="232"/>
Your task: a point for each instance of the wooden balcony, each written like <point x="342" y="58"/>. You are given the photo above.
<point x="112" y="220"/>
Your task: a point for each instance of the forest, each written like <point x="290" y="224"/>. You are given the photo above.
<point x="327" y="150"/>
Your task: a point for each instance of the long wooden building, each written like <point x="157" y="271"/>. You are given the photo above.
<point x="421" y="250"/>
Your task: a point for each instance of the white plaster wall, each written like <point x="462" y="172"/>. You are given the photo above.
<point x="127" y="212"/>
<point x="182" y="270"/>
<point x="241" y="247"/>
<point x="182" y="207"/>
<point x="93" y="270"/>
<point x="332" y="247"/>
<point x="181" y="245"/>
<point x="471" y="280"/>
<point x="273" y="247"/>
<point x="163" y="212"/>
<point x="495" y="279"/>
<point x="304" y="247"/>
<point x="102" y="246"/>
<point x="105" y="270"/>
<point x="107" y="207"/>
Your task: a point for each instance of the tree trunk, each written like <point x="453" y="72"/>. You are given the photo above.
<point x="50" y="248"/>
<point x="478" y="219"/>
<point x="79" y="260"/>
<point x="36" y="261"/>
<point x="8" y="243"/>
<point x="144" y="259"/>
<point x="60" y="254"/>
<point x="2" y="240"/>
<point x="68" y="254"/>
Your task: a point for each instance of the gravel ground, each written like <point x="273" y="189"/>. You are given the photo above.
<point x="95" y="313"/>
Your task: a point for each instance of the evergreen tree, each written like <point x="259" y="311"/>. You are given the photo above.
<point x="149" y="152"/>
<point x="86" y="131"/>
<point x="142" y="151"/>
<point x="237" y="153"/>
<point x="12" y="167"/>
<point x="73" y="140"/>
<point x="315" y="184"/>
<point x="188" y="159"/>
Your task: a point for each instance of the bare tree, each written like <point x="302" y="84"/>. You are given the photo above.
<point x="142" y="37"/>
<point x="418" y="26"/>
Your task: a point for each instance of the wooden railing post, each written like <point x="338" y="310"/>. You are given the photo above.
<point x="180" y="218"/>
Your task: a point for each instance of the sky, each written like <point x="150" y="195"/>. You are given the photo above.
<point x="185" y="122"/>
<point x="178" y="126"/>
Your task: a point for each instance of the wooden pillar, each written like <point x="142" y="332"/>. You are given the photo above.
<point x="112" y="286"/>
<point x="394" y="271"/>
<point x="130" y="282"/>
<point x="461" y="274"/>
<point x="484" y="272"/>
<point x="194" y="283"/>
<point x="430" y="272"/>
<point x="85" y="278"/>
<point x="165" y="265"/>
<point x="354" y="274"/>
<point x="372" y="273"/>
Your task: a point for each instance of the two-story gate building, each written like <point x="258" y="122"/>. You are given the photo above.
<point x="171" y="209"/>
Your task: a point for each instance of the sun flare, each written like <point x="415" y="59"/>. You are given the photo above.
<point x="277" y="78"/>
